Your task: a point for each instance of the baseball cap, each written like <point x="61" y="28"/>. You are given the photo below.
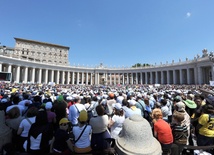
<point x="64" y="121"/>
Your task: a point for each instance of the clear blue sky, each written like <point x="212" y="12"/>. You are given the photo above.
<point x="114" y="32"/>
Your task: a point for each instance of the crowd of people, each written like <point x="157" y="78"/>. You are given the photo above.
<point x="63" y="119"/>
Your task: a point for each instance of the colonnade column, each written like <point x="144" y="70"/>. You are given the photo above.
<point x="127" y="80"/>
<point x="57" y="76"/>
<point x="199" y="75"/>
<point x="95" y="78"/>
<point x="181" y="76"/>
<point x="52" y="76"/>
<point x="68" y="77"/>
<point x="156" y="77"/>
<point x="162" y="78"/>
<point x="86" y="80"/>
<point x="151" y="78"/>
<point x="91" y="79"/>
<point x="40" y="76"/>
<point x="9" y="68"/>
<point x="18" y="74"/>
<point x="146" y="80"/>
<point x="46" y="76"/>
<point x="141" y="78"/>
<point x="174" y="77"/>
<point x="118" y="78"/>
<point x="33" y="75"/>
<point x="73" y="77"/>
<point x="82" y="77"/>
<point x="123" y="78"/>
<point x="106" y="78"/>
<point x="110" y="79"/>
<point x="114" y="78"/>
<point x="26" y="75"/>
<point x="136" y="78"/>
<point x="168" y="79"/>
<point x="77" y="77"/>
<point x="188" y="76"/>
<point x="98" y="78"/>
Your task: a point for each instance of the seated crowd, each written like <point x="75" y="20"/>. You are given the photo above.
<point x="86" y="119"/>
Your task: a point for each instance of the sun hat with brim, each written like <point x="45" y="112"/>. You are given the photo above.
<point x="191" y="104"/>
<point x="136" y="137"/>
<point x="64" y="121"/>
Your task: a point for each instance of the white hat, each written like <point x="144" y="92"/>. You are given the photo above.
<point x="117" y="106"/>
<point x="139" y="95"/>
<point x="48" y="105"/>
<point x="132" y="102"/>
<point x="180" y="106"/>
<point x="136" y="138"/>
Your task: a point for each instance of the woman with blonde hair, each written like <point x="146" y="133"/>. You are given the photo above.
<point x="162" y="130"/>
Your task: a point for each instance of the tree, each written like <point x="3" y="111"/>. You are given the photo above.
<point x="140" y="65"/>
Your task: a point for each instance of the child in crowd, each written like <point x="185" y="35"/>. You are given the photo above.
<point x="61" y="142"/>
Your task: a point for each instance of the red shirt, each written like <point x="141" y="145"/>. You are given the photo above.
<point x="164" y="131"/>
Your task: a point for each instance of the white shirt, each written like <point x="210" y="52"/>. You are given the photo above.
<point x="26" y="126"/>
<point x="117" y="126"/>
<point x="23" y="102"/>
<point x="84" y="140"/>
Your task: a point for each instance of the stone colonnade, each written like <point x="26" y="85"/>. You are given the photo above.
<point x="192" y="74"/>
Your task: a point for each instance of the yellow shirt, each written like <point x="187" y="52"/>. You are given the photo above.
<point x="207" y="123"/>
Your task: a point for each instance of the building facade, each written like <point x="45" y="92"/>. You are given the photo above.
<point x="39" y="62"/>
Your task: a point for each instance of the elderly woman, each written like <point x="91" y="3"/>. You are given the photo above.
<point x="100" y="132"/>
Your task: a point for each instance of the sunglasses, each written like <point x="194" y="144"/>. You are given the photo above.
<point x="64" y="124"/>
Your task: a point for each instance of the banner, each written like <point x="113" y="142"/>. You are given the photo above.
<point x="211" y="83"/>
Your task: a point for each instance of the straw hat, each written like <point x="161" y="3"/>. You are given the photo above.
<point x="136" y="138"/>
